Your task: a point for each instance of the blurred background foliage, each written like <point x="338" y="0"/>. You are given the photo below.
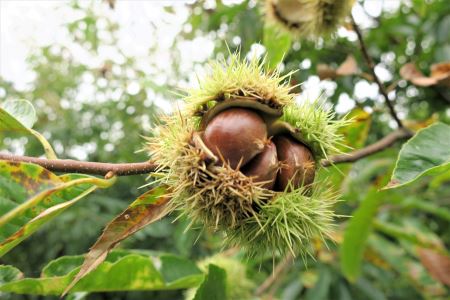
<point x="123" y="101"/>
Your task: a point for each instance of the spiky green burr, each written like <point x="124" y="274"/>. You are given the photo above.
<point x="206" y="188"/>
<point x="308" y="18"/>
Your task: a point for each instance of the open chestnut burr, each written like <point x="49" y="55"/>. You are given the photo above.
<point x="241" y="156"/>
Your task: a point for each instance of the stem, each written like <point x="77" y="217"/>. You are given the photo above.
<point x="127" y="169"/>
<point x="49" y="152"/>
<point x="86" y="167"/>
<point x="378" y="146"/>
<point x="371" y="66"/>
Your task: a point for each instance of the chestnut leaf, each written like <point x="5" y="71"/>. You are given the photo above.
<point x="426" y="154"/>
<point x="32" y="196"/>
<point x="214" y="286"/>
<point x="121" y="271"/>
<point x="20" y="116"/>
<point x="277" y="44"/>
<point x="148" y="208"/>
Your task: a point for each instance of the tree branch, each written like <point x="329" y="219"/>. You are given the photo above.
<point x="371" y="66"/>
<point x="86" y="167"/>
<point x="126" y="169"/>
<point x="370" y="149"/>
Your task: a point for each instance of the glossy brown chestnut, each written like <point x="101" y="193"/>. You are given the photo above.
<point x="297" y="163"/>
<point x="236" y="135"/>
<point x="264" y="167"/>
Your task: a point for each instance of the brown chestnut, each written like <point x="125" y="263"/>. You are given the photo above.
<point x="297" y="163"/>
<point x="236" y="135"/>
<point x="264" y="167"/>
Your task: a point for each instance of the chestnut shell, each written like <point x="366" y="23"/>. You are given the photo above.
<point x="236" y="136"/>
<point x="297" y="166"/>
<point x="264" y="167"/>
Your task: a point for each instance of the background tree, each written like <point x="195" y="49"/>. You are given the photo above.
<point x="394" y="246"/>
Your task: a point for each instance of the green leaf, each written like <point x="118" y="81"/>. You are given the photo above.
<point x="20" y="116"/>
<point x="321" y="288"/>
<point x="427" y="153"/>
<point x="356" y="234"/>
<point x="443" y="31"/>
<point x="121" y="271"/>
<point x="292" y="290"/>
<point x="369" y="290"/>
<point x="355" y="133"/>
<point x="22" y="110"/>
<point x="148" y="208"/>
<point x="439" y="180"/>
<point x="408" y="268"/>
<point x="9" y="273"/>
<point x="175" y="269"/>
<point x="429" y="207"/>
<point x="277" y="44"/>
<point x="31" y="196"/>
<point x="412" y="234"/>
<point x="214" y="285"/>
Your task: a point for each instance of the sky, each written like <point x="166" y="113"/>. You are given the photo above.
<point x="25" y="25"/>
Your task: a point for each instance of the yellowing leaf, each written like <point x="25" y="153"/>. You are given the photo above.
<point x="440" y="74"/>
<point x="148" y="208"/>
<point x="121" y="271"/>
<point x="407" y="267"/>
<point x="438" y="265"/>
<point x="348" y="67"/>
<point x="31" y="196"/>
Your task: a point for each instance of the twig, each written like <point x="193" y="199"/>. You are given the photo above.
<point x="371" y="66"/>
<point x="126" y="169"/>
<point x="370" y="149"/>
<point x="86" y="167"/>
<point x="279" y="269"/>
